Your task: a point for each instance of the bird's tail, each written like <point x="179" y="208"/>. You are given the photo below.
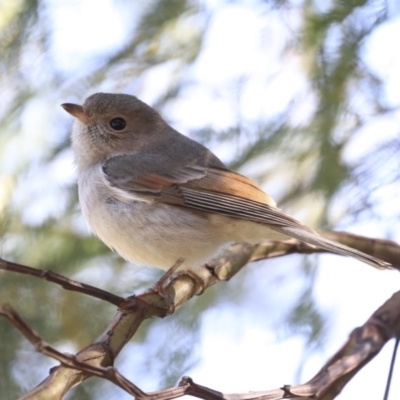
<point x="313" y="238"/>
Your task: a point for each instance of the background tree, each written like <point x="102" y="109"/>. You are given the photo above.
<point x="301" y="95"/>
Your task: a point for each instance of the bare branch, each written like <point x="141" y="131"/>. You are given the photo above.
<point x="363" y="345"/>
<point x="384" y="249"/>
<point x="177" y="290"/>
<point x="64" y="282"/>
<point x="68" y="360"/>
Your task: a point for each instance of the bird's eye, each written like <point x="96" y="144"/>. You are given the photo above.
<point x="117" y="124"/>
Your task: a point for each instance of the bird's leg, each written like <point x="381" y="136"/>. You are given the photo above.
<point x="162" y="289"/>
<point x="164" y="280"/>
<point x="160" y="286"/>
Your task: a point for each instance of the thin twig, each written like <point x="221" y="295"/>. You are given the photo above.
<point x="384" y="249"/>
<point x="179" y="289"/>
<point x="69" y="360"/>
<point x="363" y="345"/>
<point x="392" y="362"/>
<point x="64" y="282"/>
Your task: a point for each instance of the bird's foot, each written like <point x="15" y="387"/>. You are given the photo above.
<point x="161" y="286"/>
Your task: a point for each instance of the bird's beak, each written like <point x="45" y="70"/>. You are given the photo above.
<point x="77" y="111"/>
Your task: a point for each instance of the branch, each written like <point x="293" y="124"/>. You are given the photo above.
<point x="386" y="250"/>
<point x="179" y="289"/>
<point x="362" y="346"/>
<point x="68" y="360"/>
<point x="64" y="282"/>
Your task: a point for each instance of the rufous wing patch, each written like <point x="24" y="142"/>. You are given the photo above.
<point x="230" y="183"/>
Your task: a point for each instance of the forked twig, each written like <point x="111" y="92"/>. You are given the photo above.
<point x="362" y="346"/>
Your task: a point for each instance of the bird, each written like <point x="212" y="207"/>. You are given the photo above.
<point x="156" y="196"/>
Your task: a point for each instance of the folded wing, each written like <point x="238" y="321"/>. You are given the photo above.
<point x="214" y="190"/>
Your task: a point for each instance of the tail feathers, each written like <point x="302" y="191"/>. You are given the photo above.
<point x="313" y="238"/>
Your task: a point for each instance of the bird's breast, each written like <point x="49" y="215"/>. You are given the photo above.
<point x="148" y="233"/>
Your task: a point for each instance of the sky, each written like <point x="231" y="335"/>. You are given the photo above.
<point x="241" y="350"/>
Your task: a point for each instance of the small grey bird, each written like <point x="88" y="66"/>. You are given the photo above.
<point x="155" y="195"/>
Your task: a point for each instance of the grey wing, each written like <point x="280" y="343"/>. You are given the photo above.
<point x="276" y="219"/>
<point x="193" y="186"/>
<point x="214" y="190"/>
<point x="148" y="177"/>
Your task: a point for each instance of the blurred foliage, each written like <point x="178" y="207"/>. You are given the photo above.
<point x="307" y="157"/>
